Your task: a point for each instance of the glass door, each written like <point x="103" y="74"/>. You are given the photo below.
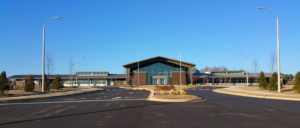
<point x="155" y="81"/>
<point x="162" y="81"/>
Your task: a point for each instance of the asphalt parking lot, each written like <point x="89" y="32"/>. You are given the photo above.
<point x="116" y="107"/>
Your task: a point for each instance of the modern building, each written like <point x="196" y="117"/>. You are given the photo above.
<point x="228" y="78"/>
<point x="159" y="70"/>
<point x="79" y="79"/>
<point x="152" y="71"/>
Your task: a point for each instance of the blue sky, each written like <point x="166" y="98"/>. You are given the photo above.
<point x="111" y="33"/>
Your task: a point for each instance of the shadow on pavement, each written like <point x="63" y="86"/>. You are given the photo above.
<point x="83" y="113"/>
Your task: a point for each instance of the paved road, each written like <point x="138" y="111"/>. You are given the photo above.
<point x="115" y="107"/>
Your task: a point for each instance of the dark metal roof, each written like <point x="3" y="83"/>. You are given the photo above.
<point x="157" y="57"/>
<point x="92" y="72"/>
<point x="203" y="75"/>
<point x="115" y="76"/>
<point x="63" y="76"/>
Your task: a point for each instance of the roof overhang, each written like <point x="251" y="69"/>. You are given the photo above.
<point x="159" y="59"/>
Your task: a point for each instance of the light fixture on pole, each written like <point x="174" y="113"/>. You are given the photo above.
<point x="138" y="69"/>
<point x="278" y="49"/>
<point x="247" y="75"/>
<point x="180" y="68"/>
<point x="43" y="74"/>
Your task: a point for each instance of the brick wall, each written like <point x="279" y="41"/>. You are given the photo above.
<point x="142" y="77"/>
<point x="20" y="83"/>
<point x="175" y="78"/>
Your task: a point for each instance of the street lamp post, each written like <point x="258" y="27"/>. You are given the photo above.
<point x="278" y="49"/>
<point x="247" y="74"/>
<point x="77" y="69"/>
<point x="43" y="75"/>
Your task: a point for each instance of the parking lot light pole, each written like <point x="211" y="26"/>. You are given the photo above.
<point x="278" y="49"/>
<point x="43" y="74"/>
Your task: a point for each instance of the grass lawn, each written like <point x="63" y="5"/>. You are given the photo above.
<point x="37" y="90"/>
<point x="286" y="89"/>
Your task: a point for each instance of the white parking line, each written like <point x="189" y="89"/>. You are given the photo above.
<point x="77" y="101"/>
<point x="129" y="97"/>
<point x="69" y="99"/>
<point x="116" y="98"/>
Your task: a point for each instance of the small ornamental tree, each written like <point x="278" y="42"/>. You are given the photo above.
<point x="297" y="83"/>
<point x="262" y="81"/>
<point x="57" y="83"/>
<point x="47" y="83"/>
<point x="291" y="76"/>
<point x="3" y="83"/>
<point x="273" y="82"/>
<point x="29" y="84"/>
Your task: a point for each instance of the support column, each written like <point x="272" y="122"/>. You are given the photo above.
<point x="191" y="75"/>
<point x="128" y="75"/>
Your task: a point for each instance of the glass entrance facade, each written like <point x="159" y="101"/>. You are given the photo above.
<point x="160" y="80"/>
<point x="159" y="69"/>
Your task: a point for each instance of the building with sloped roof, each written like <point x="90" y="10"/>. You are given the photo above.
<point x="78" y="79"/>
<point x="228" y="78"/>
<point x="159" y="70"/>
<point x="152" y="71"/>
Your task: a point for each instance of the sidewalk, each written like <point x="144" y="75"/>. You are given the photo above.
<point x="52" y="94"/>
<point x="237" y="90"/>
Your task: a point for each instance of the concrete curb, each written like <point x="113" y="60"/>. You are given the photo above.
<point x="55" y="94"/>
<point x="151" y="96"/>
<point x="224" y="91"/>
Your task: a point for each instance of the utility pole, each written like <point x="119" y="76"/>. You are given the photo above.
<point x="278" y="57"/>
<point x="43" y="66"/>
<point x="138" y="69"/>
<point x="77" y="69"/>
<point x="278" y="49"/>
<point x="247" y="73"/>
<point x="180" y="68"/>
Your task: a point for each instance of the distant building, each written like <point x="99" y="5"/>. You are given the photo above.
<point x="83" y="79"/>
<point x="228" y="78"/>
<point x="152" y="71"/>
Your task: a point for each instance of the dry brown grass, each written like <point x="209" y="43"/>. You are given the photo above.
<point x="172" y="92"/>
<point x="19" y="92"/>
<point x="153" y="86"/>
<point x="162" y="92"/>
<point x="286" y="89"/>
<point x="182" y="92"/>
<point x="176" y="96"/>
<point x="39" y="90"/>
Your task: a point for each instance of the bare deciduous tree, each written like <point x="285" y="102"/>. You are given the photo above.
<point x="49" y="64"/>
<point x="221" y="68"/>
<point x="255" y="65"/>
<point x="71" y="66"/>
<point x="272" y="60"/>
